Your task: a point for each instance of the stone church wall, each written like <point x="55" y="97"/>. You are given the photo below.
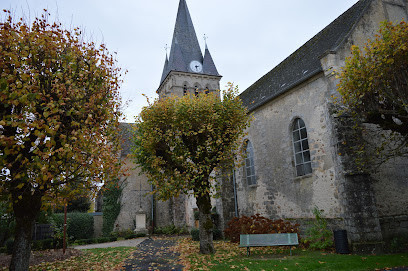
<point x="279" y="193"/>
<point x="382" y="197"/>
<point x="134" y="197"/>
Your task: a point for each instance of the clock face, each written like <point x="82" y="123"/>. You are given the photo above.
<point x="196" y="66"/>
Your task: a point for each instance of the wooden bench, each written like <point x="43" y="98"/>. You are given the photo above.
<point x="266" y="240"/>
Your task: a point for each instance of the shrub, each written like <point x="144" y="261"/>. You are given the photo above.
<point x="7" y="223"/>
<point x="196" y="215"/>
<point x="121" y="234"/>
<point x="79" y="225"/>
<point x="111" y="205"/>
<point x="3" y="250"/>
<point x="43" y="244"/>
<point x="217" y="234"/>
<point x="195" y="234"/>
<point x="257" y="224"/>
<point x="319" y="236"/>
<point x="170" y="230"/>
<point x="398" y="244"/>
<point x="102" y="240"/>
<point x="9" y="246"/>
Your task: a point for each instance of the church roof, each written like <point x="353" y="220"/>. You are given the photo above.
<point x="185" y="47"/>
<point x="304" y="62"/>
<point x="165" y="69"/>
<point x="208" y="63"/>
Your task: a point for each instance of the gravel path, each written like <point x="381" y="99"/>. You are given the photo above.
<point x="154" y="255"/>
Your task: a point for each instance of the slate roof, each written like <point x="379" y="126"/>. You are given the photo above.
<point x="185" y="47"/>
<point x="208" y="64"/>
<point x="304" y="62"/>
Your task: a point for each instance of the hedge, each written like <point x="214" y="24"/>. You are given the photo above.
<point x="79" y="225"/>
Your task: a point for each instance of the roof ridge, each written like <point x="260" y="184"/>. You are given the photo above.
<point x="304" y="62"/>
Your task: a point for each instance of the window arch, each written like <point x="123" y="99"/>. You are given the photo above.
<point x="303" y="161"/>
<point x="207" y="89"/>
<point x="249" y="164"/>
<point x="196" y="89"/>
<point x="185" y="88"/>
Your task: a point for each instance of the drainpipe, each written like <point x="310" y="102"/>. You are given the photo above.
<point x="235" y="193"/>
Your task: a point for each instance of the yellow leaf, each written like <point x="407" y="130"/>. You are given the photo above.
<point x="20" y="197"/>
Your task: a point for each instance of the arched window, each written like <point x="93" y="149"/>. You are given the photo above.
<point x="185" y="89"/>
<point x="301" y="148"/>
<point x="207" y="89"/>
<point x="197" y="89"/>
<point x="249" y="164"/>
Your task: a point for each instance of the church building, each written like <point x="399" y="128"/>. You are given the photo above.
<point x="186" y="72"/>
<point x="296" y="155"/>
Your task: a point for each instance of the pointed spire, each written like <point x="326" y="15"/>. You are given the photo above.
<point x="185" y="47"/>
<point x="165" y="69"/>
<point x="208" y="63"/>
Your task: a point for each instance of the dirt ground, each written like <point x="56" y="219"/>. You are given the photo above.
<point x="38" y="257"/>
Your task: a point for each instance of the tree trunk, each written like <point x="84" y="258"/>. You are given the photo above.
<point x="206" y="225"/>
<point x="25" y="211"/>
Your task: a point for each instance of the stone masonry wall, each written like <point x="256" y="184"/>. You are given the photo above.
<point x="394" y="226"/>
<point x="278" y="192"/>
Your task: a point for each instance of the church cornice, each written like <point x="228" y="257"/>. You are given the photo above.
<point x="188" y="74"/>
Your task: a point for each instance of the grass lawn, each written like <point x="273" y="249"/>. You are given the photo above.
<point x="92" y="259"/>
<point x="230" y="256"/>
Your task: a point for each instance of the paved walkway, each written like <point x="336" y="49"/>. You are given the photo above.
<point x="152" y="254"/>
<point x="122" y="243"/>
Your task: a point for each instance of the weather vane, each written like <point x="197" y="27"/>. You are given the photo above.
<point x="205" y="39"/>
<point x="166" y="47"/>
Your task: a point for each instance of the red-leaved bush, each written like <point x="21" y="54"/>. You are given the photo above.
<point x="257" y="224"/>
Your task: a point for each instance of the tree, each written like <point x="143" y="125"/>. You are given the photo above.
<point x="59" y="113"/>
<point x="80" y="203"/>
<point x="179" y="143"/>
<point x="374" y="86"/>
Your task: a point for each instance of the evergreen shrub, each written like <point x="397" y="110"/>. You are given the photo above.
<point x="9" y="246"/>
<point x="111" y="205"/>
<point x="79" y="225"/>
<point x="195" y="234"/>
<point x="319" y="236"/>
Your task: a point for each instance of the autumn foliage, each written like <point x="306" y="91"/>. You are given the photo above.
<point x="181" y="141"/>
<point x="59" y="113"/>
<point x="374" y="82"/>
<point x="257" y="224"/>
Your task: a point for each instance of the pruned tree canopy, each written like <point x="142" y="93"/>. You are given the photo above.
<point x="181" y="140"/>
<point x="59" y="113"/>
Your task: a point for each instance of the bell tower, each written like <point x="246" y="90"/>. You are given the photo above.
<point x="186" y="71"/>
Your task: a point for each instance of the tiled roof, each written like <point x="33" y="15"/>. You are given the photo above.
<point x="304" y="62"/>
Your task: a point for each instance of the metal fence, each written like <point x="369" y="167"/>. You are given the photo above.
<point x="43" y="231"/>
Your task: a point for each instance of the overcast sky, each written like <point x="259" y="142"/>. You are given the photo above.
<point x="246" y="38"/>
